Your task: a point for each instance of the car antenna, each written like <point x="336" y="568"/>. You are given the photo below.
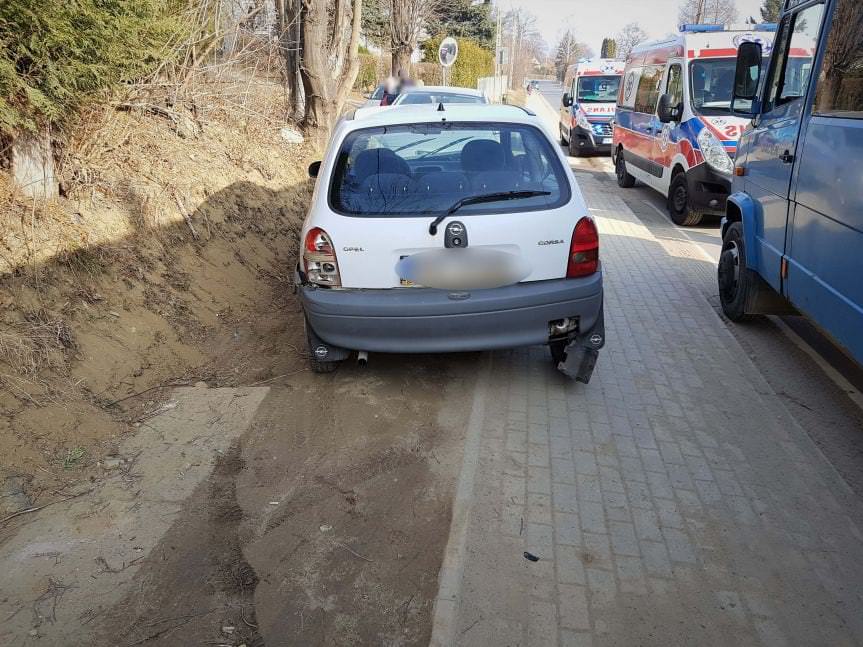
<point x="440" y="107"/>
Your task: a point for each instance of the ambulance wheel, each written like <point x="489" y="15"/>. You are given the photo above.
<point x="624" y="179"/>
<point x="563" y="141"/>
<point x="574" y="150"/>
<point x="678" y="203"/>
<point x="736" y="280"/>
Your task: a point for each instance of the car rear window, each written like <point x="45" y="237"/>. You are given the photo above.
<point x="413" y="98"/>
<point x="420" y="169"/>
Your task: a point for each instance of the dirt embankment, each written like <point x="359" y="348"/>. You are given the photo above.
<point x="166" y="262"/>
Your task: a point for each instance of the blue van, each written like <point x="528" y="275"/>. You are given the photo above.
<point x="792" y="238"/>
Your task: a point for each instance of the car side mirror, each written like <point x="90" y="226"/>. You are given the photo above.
<point x="747" y="79"/>
<point x="667" y="110"/>
<point x="567" y="100"/>
<point x="314" y="168"/>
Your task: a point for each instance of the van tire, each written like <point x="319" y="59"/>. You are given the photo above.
<point x="678" y="203"/>
<point x="563" y="140"/>
<point x="574" y="150"/>
<point x="736" y="281"/>
<point x="624" y="179"/>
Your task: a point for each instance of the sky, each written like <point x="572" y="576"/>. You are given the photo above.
<point x="593" y="20"/>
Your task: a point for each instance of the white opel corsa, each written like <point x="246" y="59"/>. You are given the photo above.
<point x="445" y="229"/>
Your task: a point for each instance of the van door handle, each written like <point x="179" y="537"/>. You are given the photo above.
<point x="787" y="157"/>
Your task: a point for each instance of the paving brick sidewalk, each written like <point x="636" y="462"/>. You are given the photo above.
<point x="673" y="501"/>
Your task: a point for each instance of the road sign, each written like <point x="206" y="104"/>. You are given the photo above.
<point x="448" y="51"/>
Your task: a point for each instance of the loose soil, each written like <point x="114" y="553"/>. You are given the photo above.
<point x="168" y="262"/>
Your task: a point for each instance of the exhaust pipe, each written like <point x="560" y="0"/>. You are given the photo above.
<point x="362" y="357"/>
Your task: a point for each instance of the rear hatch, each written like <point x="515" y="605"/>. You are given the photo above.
<point x="391" y="183"/>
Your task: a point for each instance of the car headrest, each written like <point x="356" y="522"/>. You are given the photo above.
<point x="482" y="155"/>
<point x="376" y="161"/>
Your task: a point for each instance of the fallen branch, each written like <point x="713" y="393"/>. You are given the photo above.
<point x="186" y="216"/>
<point x="163" y="385"/>
<point x="352" y="552"/>
<point x="40" y="507"/>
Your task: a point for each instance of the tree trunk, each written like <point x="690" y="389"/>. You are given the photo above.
<point x="33" y="165"/>
<point x="402" y="53"/>
<point x="290" y="45"/>
<point x="329" y="66"/>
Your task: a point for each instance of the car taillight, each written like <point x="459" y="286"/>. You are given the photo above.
<point x="584" y="250"/>
<point x="319" y="259"/>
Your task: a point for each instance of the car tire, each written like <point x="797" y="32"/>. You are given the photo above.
<point x="574" y="150"/>
<point x="563" y="140"/>
<point x="678" y="203"/>
<point x="624" y="179"/>
<point x="736" y="281"/>
<point x="317" y="366"/>
<point x="558" y="350"/>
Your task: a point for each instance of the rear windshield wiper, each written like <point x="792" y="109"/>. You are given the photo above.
<point x="479" y="199"/>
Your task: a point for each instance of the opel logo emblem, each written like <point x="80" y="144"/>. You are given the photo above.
<point x="456" y="228"/>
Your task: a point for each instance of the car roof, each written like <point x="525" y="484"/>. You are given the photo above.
<point x="442" y="89"/>
<point x="412" y="114"/>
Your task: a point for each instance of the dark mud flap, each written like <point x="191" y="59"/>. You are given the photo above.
<point x="580" y="361"/>
<point x="583" y="351"/>
<point x="323" y="351"/>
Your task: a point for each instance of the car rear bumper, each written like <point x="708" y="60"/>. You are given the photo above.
<point x="425" y="320"/>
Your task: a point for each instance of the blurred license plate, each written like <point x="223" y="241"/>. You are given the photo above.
<point x="606" y="140"/>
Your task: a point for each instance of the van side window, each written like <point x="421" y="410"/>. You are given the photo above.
<point x="629" y="88"/>
<point x="798" y="42"/>
<point x="840" y="83"/>
<point x="674" y="86"/>
<point x="648" y="89"/>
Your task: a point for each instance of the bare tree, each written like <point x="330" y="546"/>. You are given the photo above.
<point x="408" y="18"/>
<point x="714" y="12"/>
<point x="525" y="44"/>
<point x="628" y="37"/>
<point x="568" y="51"/>
<point x="289" y="33"/>
<point x="330" y="37"/>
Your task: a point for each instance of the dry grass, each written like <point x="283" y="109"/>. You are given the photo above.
<point x="38" y="343"/>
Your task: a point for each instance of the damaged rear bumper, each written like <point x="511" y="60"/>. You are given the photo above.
<point x="583" y="351"/>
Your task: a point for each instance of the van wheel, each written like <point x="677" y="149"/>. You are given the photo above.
<point x="678" y="203"/>
<point x="563" y="141"/>
<point x="574" y="149"/>
<point x="624" y="179"/>
<point x="735" y="279"/>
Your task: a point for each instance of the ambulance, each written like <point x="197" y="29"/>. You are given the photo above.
<point x="674" y="129"/>
<point x="590" y="87"/>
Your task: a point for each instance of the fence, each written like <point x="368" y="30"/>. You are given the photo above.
<point x="493" y="87"/>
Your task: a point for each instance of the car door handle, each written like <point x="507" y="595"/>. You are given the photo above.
<point x="787" y="157"/>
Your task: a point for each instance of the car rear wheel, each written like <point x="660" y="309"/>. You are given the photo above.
<point x="624" y="179"/>
<point x="735" y="279"/>
<point x="678" y="203"/>
<point x="558" y="350"/>
<point x="316" y="348"/>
